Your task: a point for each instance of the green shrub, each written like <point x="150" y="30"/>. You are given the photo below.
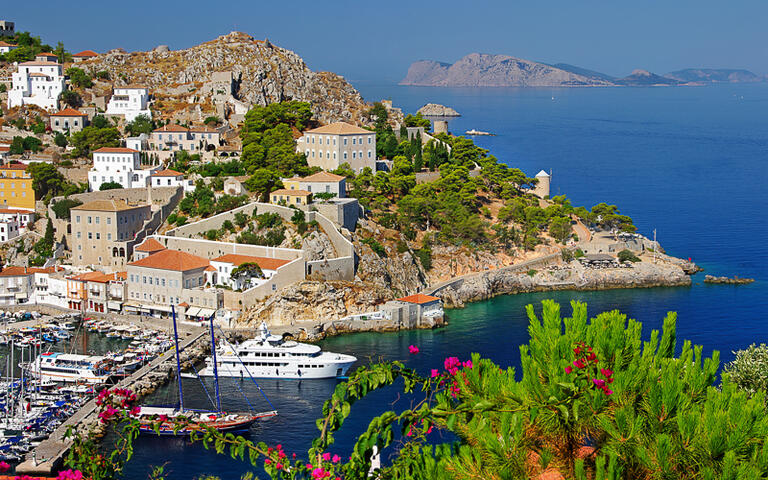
<point x="749" y="370"/>
<point x="531" y="272"/>
<point x="402" y="247"/>
<point x="62" y="207"/>
<point x="172" y="218"/>
<point x="377" y="248"/>
<point x="627" y="256"/>
<point x="181" y="220"/>
<point x="578" y="253"/>
<point x="424" y="255"/>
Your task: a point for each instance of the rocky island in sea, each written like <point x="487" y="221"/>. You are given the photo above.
<point x="484" y="70"/>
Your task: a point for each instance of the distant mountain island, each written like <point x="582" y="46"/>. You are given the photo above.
<point x="484" y="70"/>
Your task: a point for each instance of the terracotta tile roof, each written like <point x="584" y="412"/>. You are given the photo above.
<point x="339" y="128"/>
<point x="4" y="44"/>
<point x="115" y="150"/>
<point x="150" y="245"/>
<point x="53" y="269"/>
<point x="204" y="129"/>
<point x="47" y="55"/>
<point x="69" y="112"/>
<point x="86" y="54"/>
<point x="209" y="268"/>
<point x="263" y="262"/>
<point x="38" y="63"/>
<point x="419" y="298"/>
<point x="171" y="128"/>
<point x="167" y="173"/>
<point x="106" y="206"/>
<point x="183" y="304"/>
<point x="92" y="277"/>
<point x="13" y="166"/>
<point x="121" y="275"/>
<point x="15" y="211"/>
<point x="295" y="193"/>
<point x="5" y="149"/>
<point x="323" y="177"/>
<point x="14" y="271"/>
<point x="172" y="260"/>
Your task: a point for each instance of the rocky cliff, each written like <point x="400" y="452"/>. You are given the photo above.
<point x="572" y="276"/>
<point x="229" y="74"/>
<point x="483" y="70"/>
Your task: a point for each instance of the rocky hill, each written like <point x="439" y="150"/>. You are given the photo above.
<point x="644" y="78"/>
<point x="483" y="70"/>
<point x="227" y="75"/>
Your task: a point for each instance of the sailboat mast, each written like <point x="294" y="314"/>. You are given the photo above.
<point x="215" y="367"/>
<point x="178" y="361"/>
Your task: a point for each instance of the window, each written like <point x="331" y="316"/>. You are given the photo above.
<point x="90" y="236"/>
<point x="109" y="221"/>
<point x="143" y="279"/>
<point x="97" y="219"/>
<point x="109" y="236"/>
<point x="345" y="141"/>
<point x="79" y="234"/>
<point x="98" y="236"/>
<point x="89" y="220"/>
<point x="353" y="140"/>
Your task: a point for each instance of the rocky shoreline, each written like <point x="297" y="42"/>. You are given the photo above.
<point x="727" y="280"/>
<point x="572" y="276"/>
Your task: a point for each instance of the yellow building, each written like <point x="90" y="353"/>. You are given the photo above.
<point x="16" y="187"/>
<point x="290" y="197"/>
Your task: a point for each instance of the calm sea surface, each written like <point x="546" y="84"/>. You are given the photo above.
<point x="688" y="162"/>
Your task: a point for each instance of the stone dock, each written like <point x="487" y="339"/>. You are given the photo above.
<point x="49" y="456"/>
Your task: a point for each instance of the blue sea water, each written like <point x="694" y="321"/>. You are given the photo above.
<point x="689" y="162"/>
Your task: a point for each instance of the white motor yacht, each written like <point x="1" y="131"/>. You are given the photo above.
<point x="270" y="356"/>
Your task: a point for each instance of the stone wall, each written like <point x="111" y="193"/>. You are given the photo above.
<point x="212" y="249"/>
<point x="343" y="212"/>
<point x="287" y="274"/>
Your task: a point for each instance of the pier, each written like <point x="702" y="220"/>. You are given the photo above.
<point x="47" y="457"/>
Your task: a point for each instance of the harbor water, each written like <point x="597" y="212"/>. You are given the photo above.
<point x="689" y="162"/>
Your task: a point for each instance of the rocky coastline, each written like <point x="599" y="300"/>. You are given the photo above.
<point x="727" y="280"/>
<point x="572" y="276"/>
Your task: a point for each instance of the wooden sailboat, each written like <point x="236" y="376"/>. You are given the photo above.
<point x="194" y="420"/>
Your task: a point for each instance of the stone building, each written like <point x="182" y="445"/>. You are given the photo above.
<point x="175" y="138"/>
<point x="84" y="55"/>
<point x="103" y="231"/>
<point x="68" y="120"/>
<point x="331" y="145"/>
<point x="168" y="278"/>
<point x="39" y="82"/>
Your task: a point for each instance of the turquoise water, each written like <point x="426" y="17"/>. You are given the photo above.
<point x="689" y="162"/>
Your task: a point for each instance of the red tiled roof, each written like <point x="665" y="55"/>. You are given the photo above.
<point x="167" y="173"/>
<point x="15" y="210"/>
<point x="68" y="112"/>
<point x="339" y="128"/>
<point x="115" y="150"/>
<point x="419" y="298"/>
<point x="14" y="271"/>
<point x="13" y="166"/>
<point x="40" y="63"/>
<point x="171" y="128"/>
<point x="150" y="245"/>
<point x="172" y="260"/>
<point x="53" y="269"/>
<point x="86" y="54"/>
<point x="323" y="177"/>
<point x="295" y="193"/>
<point x="93" y="277"/>
<point x="5" y="149"/>
<point x="263" y="262"/>
<point x="4" y="44"/>
<point x="184" y="304"/>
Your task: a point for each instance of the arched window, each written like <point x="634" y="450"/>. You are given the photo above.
<point x="122" y="251"/>
<point x="114" y="252"/>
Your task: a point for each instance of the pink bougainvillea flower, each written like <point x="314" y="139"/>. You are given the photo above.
<point x="598" y="382"/>
<point x="327" y="457"/>
<point x="278" y="466"/>
<point x="4" y="467"/>
<point x="413" y="349"/>
<point x="135" y="411"/>
<point x="434" y="373"/>
<point x="607" y="390"/>
<point x="336" y="459"/>
<point x="577" y="350"/>
<point x="579" y="364"/>
<point x="606" y="372"/>
<point x="568" y="369"/>
<point x="267" y="462"/>
<point x="467" y="364"/>
<point x="591" y="357"/>
<point x="162" y="418"/>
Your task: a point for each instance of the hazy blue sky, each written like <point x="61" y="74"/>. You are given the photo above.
<point x="376" y="41"/>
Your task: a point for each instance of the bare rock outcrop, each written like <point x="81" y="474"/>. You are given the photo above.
<point x="437" y="110"/>
<point x="245" y="71"/>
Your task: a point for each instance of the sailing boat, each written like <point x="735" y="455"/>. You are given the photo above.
<point x="198" y="419"/>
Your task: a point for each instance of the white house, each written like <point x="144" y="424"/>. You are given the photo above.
<point x="130" y="102"/>
<point x="37" y="83"/>
<point x="171" y="178"/>
<point x="223" y="266"/>
<point x="140" y="143"/>
<point x="121" y="165"/>
<point x="7" y="47"/>
<point x="22" y="217"/>
<point x="9" y="229"/>
<point x="331" y="145"/>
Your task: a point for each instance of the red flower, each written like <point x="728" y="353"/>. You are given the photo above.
<point x="4" y="467"/>
<point x="606" y="372"/>
<point x="568" y="369"/>
<point x="413" y="349"/>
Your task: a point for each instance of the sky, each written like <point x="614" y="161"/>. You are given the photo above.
<point x="375" y="42"/>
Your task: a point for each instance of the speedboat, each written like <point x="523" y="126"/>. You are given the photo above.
<point x="270" y="356"/>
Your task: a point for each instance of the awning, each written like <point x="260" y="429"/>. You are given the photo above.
<point x="206" y="312"/>
<point x="192" y="312"/>
<point x="21" y="296"/>
<point x="112" y="305"/>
